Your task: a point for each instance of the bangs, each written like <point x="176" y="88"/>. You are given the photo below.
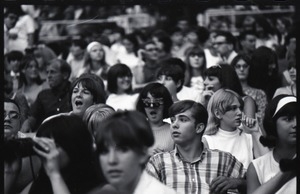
<point x="213" y="71"/>
<point x="86" y="83"/>
<point x="118" y="134"/>
<point x="123" y="71"/>
<point x="289" y="109"/>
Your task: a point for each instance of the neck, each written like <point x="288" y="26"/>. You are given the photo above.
<point x="226" y="127"/>
<point x="284" y="152"/>
<point x="196" y="72"/>
<point x="95" y="65"/>
<point x="174" y="98"/>
<point x="244" y="83"/>
<point x="157" y="124"/>
<point x="78" y="57"/>
<point x="129" y="189"/>
<point x="191" y="151"/>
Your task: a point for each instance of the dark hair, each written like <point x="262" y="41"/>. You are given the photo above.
<point x="135" y="132"/>
<point x="79" y="42"/>
<point x="14" y="10"/>
<point x="227" y="77"/>
<point x="64" y="67"/>
<point x="117" y="70"/>
<point x="163" y="37"/>
<point x="269" y="121"/>
<point x="260" y="60"/>
<point x="156" y="90"/>
<point x="244" y="33"/>
<point x="228" y="36"/>
<point x="173" y="67"/>
<point x="95" y="86"/>
<point x="192" y="51"/>
<point x="199" y="112"/>
<point x="24" y="64"/>
<point x="71" y="134"/>
<point x="9" y="100"/>
<point x="14" y="55"/>
<point x="202" y="34"/>
<point x="132" y="38"/>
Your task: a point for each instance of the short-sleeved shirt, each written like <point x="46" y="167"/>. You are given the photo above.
<point x="193" y="177"/>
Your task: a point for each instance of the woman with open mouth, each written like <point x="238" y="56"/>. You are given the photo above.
<point x="86" y="91"/>
<point x="227" y="131"/>
<point x="154" y="102"/>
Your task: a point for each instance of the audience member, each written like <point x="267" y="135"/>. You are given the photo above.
<point x="264" y="72"/>
<point x="196" y="65"/>
<point x="205" y="170"/>
<point x="163" y="42"/>
<point x="32" y="84"/>
<point x="68" y="157"/>
<point x="247" y="41"/>
<point x="53" y="100"/>
<point x="223" y="132"/>
<point x="95" y="61"/>
<point x="119" y="87"/>
<point x="280" y="123"/>
<point x="13" y="68"/>
<point x="154" y="102"/>
<point x="76" y="57"/>
<point x="242" y="65"/>
<point x="224" y="43"/>
<point x="123" y="154"/>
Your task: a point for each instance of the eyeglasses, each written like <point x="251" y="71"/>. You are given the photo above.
<point x="237" y="66"/>
<point x="12" y="115"/>
<point x="153" y="103"/>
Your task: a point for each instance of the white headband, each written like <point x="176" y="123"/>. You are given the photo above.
<point x="91" y="45"/>
<point x="283" y="102"/>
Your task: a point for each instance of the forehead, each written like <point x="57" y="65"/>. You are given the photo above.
<point x="96" y="47"/>
<point x="150" y="45"/>
<point x="53" y="66"/>
<point x="220" y="38"/>
<point x="9" y="106"/>
<point x="250" y="37"/>
<point x="186" y="113"/>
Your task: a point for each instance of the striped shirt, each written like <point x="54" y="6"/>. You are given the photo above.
<point x="193" y="177"/>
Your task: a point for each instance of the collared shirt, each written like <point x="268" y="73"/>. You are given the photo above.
<point x="50" y="102"/>
<point x="193" y="177"/>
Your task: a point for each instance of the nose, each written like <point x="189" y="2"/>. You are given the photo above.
<point x="161" y="81"/>
<point x="294" y="122"/>
<point x="112" y="156"/>
<point x="6" y="117"/>
<point x="174" y="124"/>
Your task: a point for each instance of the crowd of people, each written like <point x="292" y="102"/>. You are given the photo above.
<point x="191" y="109"/>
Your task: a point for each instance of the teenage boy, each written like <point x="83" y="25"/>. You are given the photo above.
<point x="191" y="167"/>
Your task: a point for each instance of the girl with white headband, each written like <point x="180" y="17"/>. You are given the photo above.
<point x="95" y="61"/>
<point x="264" y="174"/>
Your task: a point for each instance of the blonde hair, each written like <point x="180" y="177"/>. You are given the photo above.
<point x="219" y="101"/>
<point x="95" y="115"/>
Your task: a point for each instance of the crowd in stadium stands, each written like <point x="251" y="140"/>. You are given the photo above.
<point x="174" y="107"/>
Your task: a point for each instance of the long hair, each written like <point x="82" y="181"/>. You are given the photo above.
<point x="72" y="135"/>
<point x="24" y="65"/>
<point x="219" y="101"/>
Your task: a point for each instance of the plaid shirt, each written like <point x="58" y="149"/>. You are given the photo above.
<point x="188" y="178"/>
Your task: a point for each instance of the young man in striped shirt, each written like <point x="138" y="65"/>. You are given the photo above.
<point x="191" y="168"/>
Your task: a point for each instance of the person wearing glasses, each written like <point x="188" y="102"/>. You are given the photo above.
<point x="154" y="102"/>
<point x="224" y="43"/>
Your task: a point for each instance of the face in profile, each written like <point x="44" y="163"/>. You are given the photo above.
<point x="12" y="123"/>
<point x="168" y="82"/>
<point x="121" y="165"/>
<point x="81" y="99"/>
<point x="286" y="129"/>
<point x="212" y="83"/>
<point x="54" y="74"/>
<point x="154" y="108"/>
<point x="231" y="118"/>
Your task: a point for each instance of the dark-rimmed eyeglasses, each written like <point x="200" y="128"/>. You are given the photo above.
<point x="12" y="115"/>
<point x="152" y="103"/>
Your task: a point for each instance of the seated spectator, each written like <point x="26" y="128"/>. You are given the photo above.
<point x="51" y="101"/>
<point x="247" y="40"/>
<point x="227" y="131"/>
<point x="123" y="154"/>
<point x="95" y="115"/>
<point x="119" y="86"/>
<point x="13" y="67"/>
<point x="171" y="75"/>
<point x="177" y="49"/>
<point x="292" y="88"/>
<point x="76" y="57"/>
<point x="31" y="79"/>
<point x="163" y="42"/>
<point x="242" y="65"/>
<point x="67" y="155"/>
<point x="207" y="171"/>
<point x="264" y="60"/>
<point x="264" y="174"/>
<point x="154" y="102"/>
<point x="196" y="65"/>
<point x="95" y="61"/>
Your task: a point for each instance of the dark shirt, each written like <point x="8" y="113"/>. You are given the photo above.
<point x="50" y="102"/>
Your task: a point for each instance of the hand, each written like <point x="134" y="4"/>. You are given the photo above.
<point x="249" y="125"/>
<point x="206" y="95"/>
<point x="140" y="53"/>
<point x="50" y="159"/>
<point x="221" y="184"/>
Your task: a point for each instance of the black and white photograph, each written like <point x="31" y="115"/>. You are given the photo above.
<point x="153" y="98"/>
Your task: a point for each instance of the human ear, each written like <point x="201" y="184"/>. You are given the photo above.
<point x="218" y="114"/>
<point x="178" y="84"/>
<point x="200" y="127"/>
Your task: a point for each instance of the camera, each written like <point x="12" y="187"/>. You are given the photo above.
<point x="19" y="148"/>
